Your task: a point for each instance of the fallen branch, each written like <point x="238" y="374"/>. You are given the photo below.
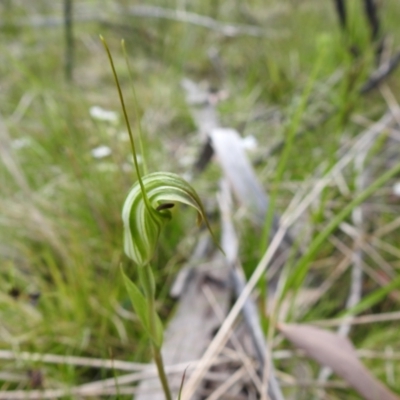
<point x="381" y="73"/>
<point x="250" y="312"/>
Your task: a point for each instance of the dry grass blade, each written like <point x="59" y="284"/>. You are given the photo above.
<point x="250" y="314"/>
<point x="73" y="360"/>
<point x="41" y="224"/>
<point x="356" y="284"/>
<point x="223" y="334"/>
<point x="60" y="393"/>
<point x="240" y="174"/>
<point x="339" y="354"/>
<point x="364" y="319"/>
<point x="227" y="384"/>
<point x="226" y="144"/>
<point x="240" y="351"/>
<point x="9" y="160"/>
<point x="229" y="30"/>
<point x="362" y="142"/>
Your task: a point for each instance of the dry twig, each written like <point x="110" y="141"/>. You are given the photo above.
<point x="225" y="29"/>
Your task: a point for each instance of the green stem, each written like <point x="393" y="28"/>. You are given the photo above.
<point x="121" y="98"/>
<point x="161" y="371"/>
<point x="147" y="280"/>
<point x="136" y="103"/>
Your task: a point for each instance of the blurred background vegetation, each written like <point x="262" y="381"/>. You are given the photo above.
<point x="65" y="171"/>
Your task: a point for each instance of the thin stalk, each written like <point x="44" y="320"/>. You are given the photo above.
<point x="69" y="40"/>
<point x="121" y="98"/>
<point x="147" y="281"/>
<point x="136" y="103"/>
<point x="161" y="372"/>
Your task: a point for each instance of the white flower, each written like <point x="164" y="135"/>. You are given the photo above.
<point x="249" y="143"/>
<point x="100" y="114"/>
<point x="101" y="152"/>
<point x="396" y="189"/>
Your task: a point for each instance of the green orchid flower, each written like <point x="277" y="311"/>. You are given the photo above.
<point x="147" y="209"/>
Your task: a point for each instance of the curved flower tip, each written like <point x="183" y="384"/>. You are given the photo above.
<point x="144" y="217"/>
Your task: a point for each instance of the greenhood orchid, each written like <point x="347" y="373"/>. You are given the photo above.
<point x="144" y="214"/>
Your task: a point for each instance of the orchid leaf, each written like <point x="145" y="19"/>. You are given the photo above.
<point x="140" y="305"/>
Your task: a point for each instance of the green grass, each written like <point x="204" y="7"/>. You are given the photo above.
<point x="60" y="224"/>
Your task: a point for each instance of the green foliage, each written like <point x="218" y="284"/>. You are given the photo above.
<point x="302" y="267"/>
<point x="60" y="220"/>
<point x="140" y="305"/>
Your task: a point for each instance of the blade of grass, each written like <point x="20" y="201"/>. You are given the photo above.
<point x="300" y="270"/>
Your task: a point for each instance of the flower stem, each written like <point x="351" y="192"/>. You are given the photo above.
<point x="147" y="280"/>
<point x="161" y="371"/>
